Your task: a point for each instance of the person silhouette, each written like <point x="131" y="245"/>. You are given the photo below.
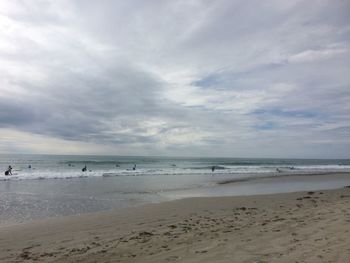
<point x="9" y="170"/>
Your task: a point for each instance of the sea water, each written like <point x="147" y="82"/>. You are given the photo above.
<point x="55" y="185"/>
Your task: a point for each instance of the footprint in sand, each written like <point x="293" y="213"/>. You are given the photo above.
<point x="172" y="258"/>
<point x="201" y="251"/>
<point x="25" y="255"/>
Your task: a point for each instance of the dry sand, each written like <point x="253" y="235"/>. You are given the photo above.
<point x="293" y="227"/>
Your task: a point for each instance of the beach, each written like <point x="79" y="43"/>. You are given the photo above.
<point x="308" y="226"/>
<point x="174" y="131"/>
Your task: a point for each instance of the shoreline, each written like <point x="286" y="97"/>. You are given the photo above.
<point x="275" y="228"/>
<point x="247" y="176"/>
<point x="36" y="203"/>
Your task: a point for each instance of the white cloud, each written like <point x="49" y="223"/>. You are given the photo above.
<point x="157" y="76"/>
<point x="315" y="55"/>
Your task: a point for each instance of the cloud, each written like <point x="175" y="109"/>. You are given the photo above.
<point x="315" y="55"/>
<point x="170" y="77"/>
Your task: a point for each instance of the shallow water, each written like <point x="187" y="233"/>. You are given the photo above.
<point x="56" y="186"/>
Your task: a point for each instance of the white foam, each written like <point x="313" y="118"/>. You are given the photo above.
<point x="236" y="171"/>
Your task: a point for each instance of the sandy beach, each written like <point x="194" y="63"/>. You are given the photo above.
<point x="292" y="227"/>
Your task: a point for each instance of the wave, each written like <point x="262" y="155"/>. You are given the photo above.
<point x="220" y="170"/>
<point x="217" y="167"/>
<point x="92" y="162"/>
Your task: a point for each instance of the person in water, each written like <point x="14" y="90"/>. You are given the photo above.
<point x="134" y="168"/>
<point x="213" y="168"/>
<point x="84" y="169"/>
<point x="8" y="171"/>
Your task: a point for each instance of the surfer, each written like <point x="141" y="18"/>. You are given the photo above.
<point x="84" y="169"/>
<point x="8" y="171"/>
<point x="134" y="168"/>
<point x="213" y="168"/>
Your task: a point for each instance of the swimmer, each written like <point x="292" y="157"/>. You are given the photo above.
<point x="9" y="170"/>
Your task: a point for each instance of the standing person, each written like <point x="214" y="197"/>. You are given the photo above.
<point x="134" y="168"/>
<point x="8" y="171"/>
<point x="84" y="169"/>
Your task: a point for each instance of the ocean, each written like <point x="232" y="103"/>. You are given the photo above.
<point x="55" y="185"/>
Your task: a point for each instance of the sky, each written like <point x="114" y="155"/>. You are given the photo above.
<point x="228" y="78"/>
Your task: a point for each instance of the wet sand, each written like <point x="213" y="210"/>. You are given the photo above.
<point x="292" y="227"/>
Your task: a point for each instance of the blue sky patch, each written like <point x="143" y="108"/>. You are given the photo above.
<point x="285" y="113"/>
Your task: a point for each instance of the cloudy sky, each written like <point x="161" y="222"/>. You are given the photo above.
<point x="186" y="78"/>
